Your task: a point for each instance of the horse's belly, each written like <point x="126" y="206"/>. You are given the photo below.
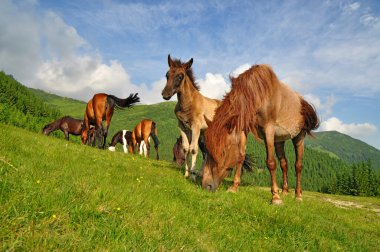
<point x="284" y="133"/>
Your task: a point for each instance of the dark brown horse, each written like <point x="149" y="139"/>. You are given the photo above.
<point x="100" y="108"/>
<point x="123" y="137"/>
<point x="66" y="124"/>
<point x="179" y="154"/>
<point x="192" y="108"/>
<point x="141" y="137"/>
<point x="259" y="103"/>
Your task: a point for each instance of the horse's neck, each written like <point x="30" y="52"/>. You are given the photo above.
<point x="187" y="95"/>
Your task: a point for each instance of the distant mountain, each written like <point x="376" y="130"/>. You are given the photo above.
<point x="345" y="147"/>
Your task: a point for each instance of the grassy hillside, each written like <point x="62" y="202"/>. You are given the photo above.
<point x="349" y="149"/>
<point x="59" y="195"/>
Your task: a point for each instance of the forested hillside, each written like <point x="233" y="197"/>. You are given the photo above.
<point x="20" y="107"/>
<point x="345" y="147"/>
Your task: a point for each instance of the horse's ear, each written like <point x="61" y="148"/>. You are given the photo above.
<point x="170" y="61"/>
<point x="188" y="64"/>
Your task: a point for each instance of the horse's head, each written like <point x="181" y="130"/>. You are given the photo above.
<point x="178" y="153"/>
<point x="219" y="163"/>
<point x="47" y="129"/>
<point x="176" y="76"/>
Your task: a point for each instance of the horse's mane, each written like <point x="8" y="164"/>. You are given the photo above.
<point x="239" y="107"/>
<point x="189" y="72"/>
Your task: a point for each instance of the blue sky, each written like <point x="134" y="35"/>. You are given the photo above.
<point x="328" y="51"/>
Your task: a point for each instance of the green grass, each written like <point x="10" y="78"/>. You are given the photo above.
<point x="59" y="195"/>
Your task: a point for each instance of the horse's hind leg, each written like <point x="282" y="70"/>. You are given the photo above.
<point x="298" y="144"/>
<point x="280" y="153"/>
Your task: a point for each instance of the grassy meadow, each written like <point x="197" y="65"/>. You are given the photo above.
<point x="59" y="195"/>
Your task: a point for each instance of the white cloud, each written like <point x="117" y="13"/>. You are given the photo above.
<point x="358" y="130"/>
<point x="324" y="108"/>
<point x="42" y="51"/>
<point x="239" y="70"/>
<point x="213" y="86"/>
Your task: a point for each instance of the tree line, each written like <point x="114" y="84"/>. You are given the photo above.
<point x="21" y="108"/>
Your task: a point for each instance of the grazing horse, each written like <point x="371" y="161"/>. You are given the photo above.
<point x="125" y="138"/>
<point x="192" y="108"/>
<point x="100" y="108"/>
<point x="259" y="103"/>
<point x="141" y="137"/>
<point x="66" y="124"/>
<point x="179" y="154"/>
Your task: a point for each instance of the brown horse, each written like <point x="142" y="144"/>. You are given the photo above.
<point x="66" y="124"/>
<point x="100" y="108"/>
<point x="123" y="137"/>
<point x="259" y="103"/>
<point x="141" y="137"/>
<point x="192" y="108"/>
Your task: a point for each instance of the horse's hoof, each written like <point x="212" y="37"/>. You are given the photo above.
<point x="232" y="190"/>
<point x="299" y="199"/>
<point x="277" y="202"/>
<point x="285" y="193"/>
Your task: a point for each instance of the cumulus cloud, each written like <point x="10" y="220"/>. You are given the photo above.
<point x="239" y="70"/>
<point x="324" y="108"/>
<point x="358" y="130"/>
<point x="213" y="86"/>
<point x="42" y="51"/>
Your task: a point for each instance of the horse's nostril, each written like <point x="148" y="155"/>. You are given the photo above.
<point x="209" y="187"/>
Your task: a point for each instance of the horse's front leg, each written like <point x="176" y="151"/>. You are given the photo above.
<point x="185" y="146"/>
<point x="240" y="161"/>
<point x="194" y="147"/>
<point x="271" y="163"/>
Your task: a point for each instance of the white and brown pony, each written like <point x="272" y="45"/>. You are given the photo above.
<point x="259" y="103"/>
<point x="192" y="109"/>
<point x="123" y="137"/>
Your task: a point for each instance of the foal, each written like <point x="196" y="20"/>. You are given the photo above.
<point x="191" y="110"/>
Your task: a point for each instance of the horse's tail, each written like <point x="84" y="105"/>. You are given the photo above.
<point x="310" y="116"/>
<point x="153" y="133"/>
<point x="123" y="103"/>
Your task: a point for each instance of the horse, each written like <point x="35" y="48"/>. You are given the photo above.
<point x="192" y="108"/>
<point x="100" y="108"/>
<point x="66" y="124"/>
<point x="259" y="103"/>
<point x="141" y="137"/>
<point x="179" y="154"/>
<point x="125" y="138"/>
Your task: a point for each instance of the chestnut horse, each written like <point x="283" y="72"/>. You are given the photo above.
<point x="259" y="103"/>
<point x="100" y="108"/>
<point x="66" y="124"/>
<point x="192" y="107"/>
<point x="125" y="138"/>
<point x="141" y="137"/>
